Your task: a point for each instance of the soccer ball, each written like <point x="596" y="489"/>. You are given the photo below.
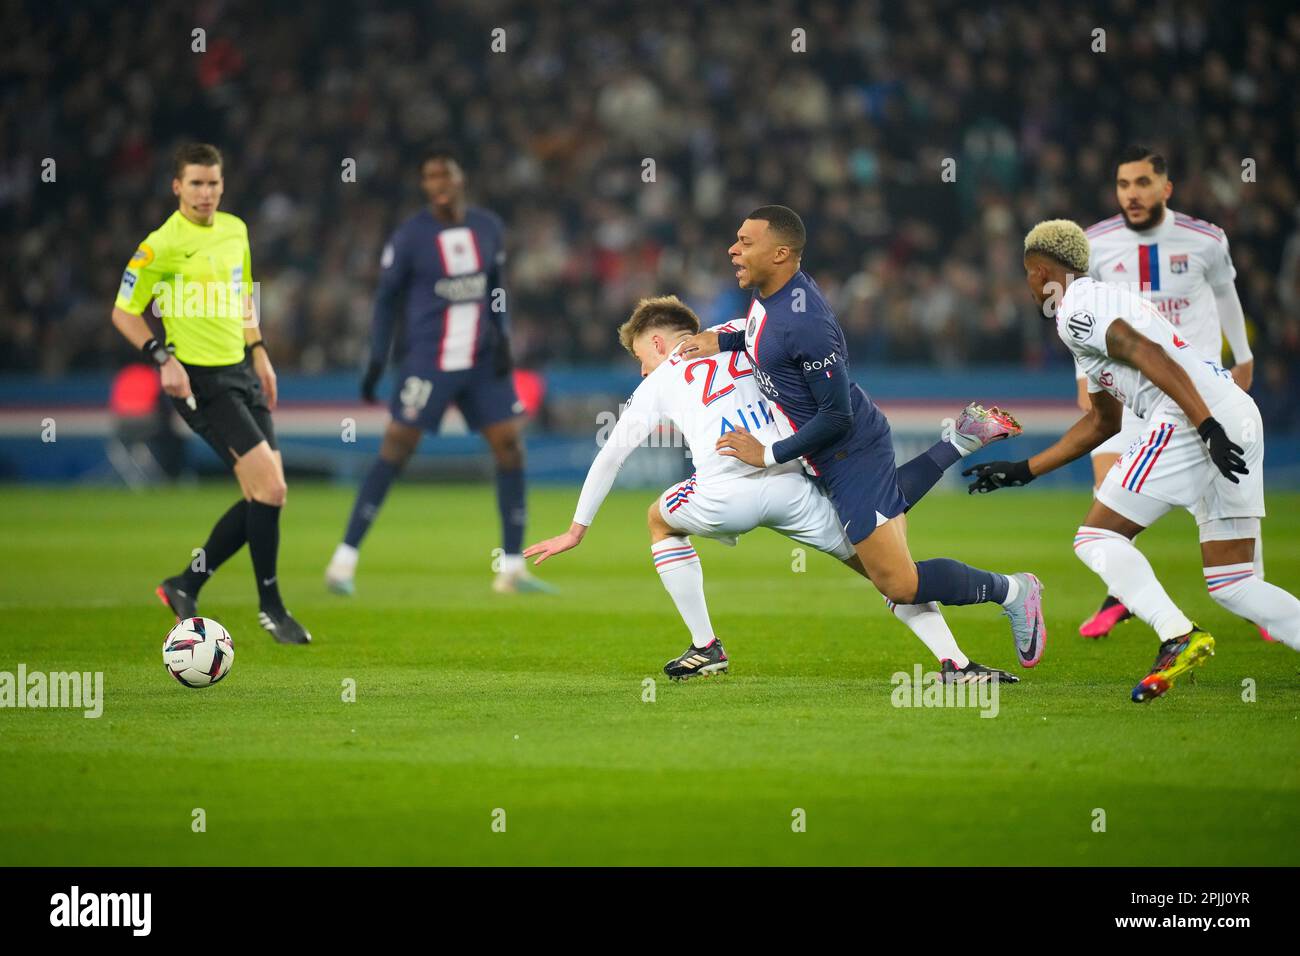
<point x="198" y="652"/>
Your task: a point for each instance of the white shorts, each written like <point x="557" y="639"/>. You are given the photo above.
<point x="1130" y="430"/>
<point x="785" y="501"/>
<point x="1169" y="466"/>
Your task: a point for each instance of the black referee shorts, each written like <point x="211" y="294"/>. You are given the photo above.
<point x="232" y="416"/>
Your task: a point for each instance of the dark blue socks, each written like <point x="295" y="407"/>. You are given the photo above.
<point x="374" y="488"/>
<point x="510" y="502"/>
<point x="951" y="582"/>
<point x="919" y="475"/>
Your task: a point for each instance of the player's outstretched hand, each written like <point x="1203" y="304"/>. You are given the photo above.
<point x="701" y="345"/>
<point x="993" y="475"/>
<point x="1225" y="453"/>
<point x="741" y="444"/>
<point x="557" y="545"/>
<point x="374" y="371"/>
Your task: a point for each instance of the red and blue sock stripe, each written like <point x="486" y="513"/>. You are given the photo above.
<point x="1214" y="582"/>
<point x="674" y="555"/>
<point x="1083" y="537"/>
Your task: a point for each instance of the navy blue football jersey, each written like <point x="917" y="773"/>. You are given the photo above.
<point x="452" y="278"/>
<point x="792" y="338"/>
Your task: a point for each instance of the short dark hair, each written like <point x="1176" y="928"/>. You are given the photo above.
<point x="443" y="152"/>
<point x="661" y="312"/>
<point x="1137" y="153"/>
<point x="195" y="154"/>
<point x="785" y="222"/>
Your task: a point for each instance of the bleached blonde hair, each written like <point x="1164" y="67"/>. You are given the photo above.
<point x="1062" y="241"/>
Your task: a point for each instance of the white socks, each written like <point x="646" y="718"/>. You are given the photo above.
<point x="965" y="446"/>
<point x="512" y="564"/>
<point x="1129" y="577"/>
<point x="345" y="559"/>
<point x="926" y="622"/>
<point x="1238" y="588"/>
<point x="683" y="577"/>
<point x="1013" y="591"/>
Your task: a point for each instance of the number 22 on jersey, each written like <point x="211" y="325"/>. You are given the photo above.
<point x="734" y="370"/>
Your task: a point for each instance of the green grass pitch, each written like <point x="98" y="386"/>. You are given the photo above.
<point x="467" y="702"/>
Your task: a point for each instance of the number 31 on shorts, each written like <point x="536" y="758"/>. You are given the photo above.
<point x="416" y="392"/>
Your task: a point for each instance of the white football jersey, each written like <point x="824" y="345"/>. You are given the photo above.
<point x="1084" y="314"/>
<point x="1177" y="265"/>
<point x="703" y="398"/>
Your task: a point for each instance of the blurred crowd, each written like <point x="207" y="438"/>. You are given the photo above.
<point x="848" y="112"/>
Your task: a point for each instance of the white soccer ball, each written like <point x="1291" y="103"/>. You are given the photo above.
<point x="198" y="652"/>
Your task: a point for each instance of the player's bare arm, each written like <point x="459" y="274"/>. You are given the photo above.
<point x="1103" y="420"/>
<point x="1125" y="344"/>
<point x="1128" y="346"/>
<point x="557" y="545"/>
<point x="175" y="380"/>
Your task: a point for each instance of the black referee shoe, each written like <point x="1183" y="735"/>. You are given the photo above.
<point x="182" y="603"/>
<point x="281" y="625"/>
<point x="698" y="660"/>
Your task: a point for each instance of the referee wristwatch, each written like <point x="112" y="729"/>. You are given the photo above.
<point x="157" y="352"/>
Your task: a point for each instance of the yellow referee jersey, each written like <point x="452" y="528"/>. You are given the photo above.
<point x="198" y="275"/>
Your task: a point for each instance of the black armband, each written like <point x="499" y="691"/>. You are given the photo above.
<point x="260" y="343"/>
<point x="157" y="352"/>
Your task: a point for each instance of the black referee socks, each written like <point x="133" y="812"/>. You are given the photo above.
<point x="228" y="536"/>
<point x="264" y="547"/>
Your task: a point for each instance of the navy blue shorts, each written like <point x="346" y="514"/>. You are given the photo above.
<point x="862" y="481"/>
<point x="483" y="397"/>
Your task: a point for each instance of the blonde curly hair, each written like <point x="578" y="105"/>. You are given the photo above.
<point x="1062" y="241"/>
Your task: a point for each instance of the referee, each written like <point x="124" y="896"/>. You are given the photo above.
<point x="197" y="270"/>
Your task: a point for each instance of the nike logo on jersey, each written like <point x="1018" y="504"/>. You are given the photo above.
<point x="190" y="253"/>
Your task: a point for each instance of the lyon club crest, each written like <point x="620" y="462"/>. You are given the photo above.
<point x="1178" y="263"/>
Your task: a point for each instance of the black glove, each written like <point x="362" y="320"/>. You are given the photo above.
<point x="993" y="475"/>
<point x="1225" y="455"/>
<point x="374" y="372"/>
